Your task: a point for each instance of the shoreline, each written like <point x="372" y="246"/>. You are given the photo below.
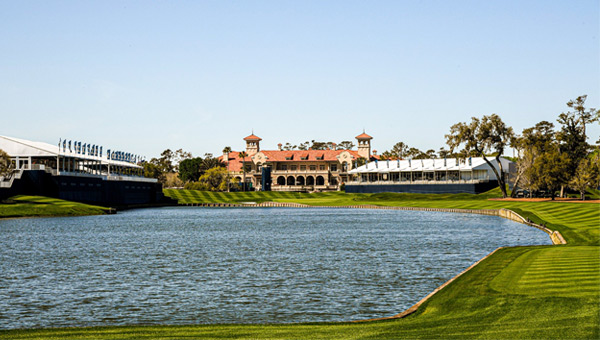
<point x="555" y="236"/>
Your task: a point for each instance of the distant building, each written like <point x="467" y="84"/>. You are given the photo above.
<point x="471" y="175"/>
<point x="77" y="172"/>
<point x="297" y="170"/>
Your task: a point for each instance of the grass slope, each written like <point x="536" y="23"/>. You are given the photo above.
<point x="538" y="292"/>
<point x="36" y="206"/>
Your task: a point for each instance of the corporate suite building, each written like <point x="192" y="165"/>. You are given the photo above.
<point x="470" y="175"/>
<point x="77" y="172"/>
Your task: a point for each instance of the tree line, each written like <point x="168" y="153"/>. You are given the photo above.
<point x="549" y="158"/>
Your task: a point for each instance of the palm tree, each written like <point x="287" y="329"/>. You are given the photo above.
<point x="243" y="156"/>
<point x="226" y="151"/>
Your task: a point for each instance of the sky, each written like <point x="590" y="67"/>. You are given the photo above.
<point x="145" y="76"/>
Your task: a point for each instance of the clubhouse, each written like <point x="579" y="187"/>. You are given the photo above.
<point x="296" y="170"/>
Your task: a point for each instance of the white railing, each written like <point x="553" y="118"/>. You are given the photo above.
<point x="7" y="182"/>
<point x="462" y="181"/>
<point x="299" y="172"/>
<point x="131" y="178"/>
<point x="303" y="187"/>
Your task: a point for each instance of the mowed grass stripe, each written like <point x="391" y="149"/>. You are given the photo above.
<point x="544" y="273"/>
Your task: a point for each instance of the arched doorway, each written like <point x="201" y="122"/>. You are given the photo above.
<point x="291" y="180"/>
<point x="320" y="180"/>
<point x="280" y="180"/>
<point x="300" y="180"/>
<point x="310" y="180"/>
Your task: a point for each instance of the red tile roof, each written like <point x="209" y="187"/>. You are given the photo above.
<point x="252" y="137"/>
<point x="363" y="136"/>
<point x="236" y="163"/>
<point x="309" y="155"/>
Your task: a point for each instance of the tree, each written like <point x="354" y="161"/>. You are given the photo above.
<point x="489" y="134"/>
<point x="584" y="117"/>
<point x="414" y="153"/>
<point x="172" y="181"/>
<point x="526" y="177"/>
<point x="585" y="176"/>
<point x="572" y="141"/>
<point x="345" y="145"/>
<point x="189" y="169"/>
<point x="165" y="162"/>
<point x="6" y="165"/>
<point x="550" y="170"/>
<point x="386" y="155"/>
<point x="179" y="156"/>
<point x="289" y="147"/>
<point x="153" y="170"/>
<point x="535" y="140"/>
<point x="320" y="145"/>
<point x="399" y="150"/>
<point x="303" y="146"/>
<point x="430" y="153"/>
<point x="443" y="153"/>
<point x="209" y="162"/>
<point x="214" y="179"/>
<point x="226" y="152"/>
<point x="243" y="156"/>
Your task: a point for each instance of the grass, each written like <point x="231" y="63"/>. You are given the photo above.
<point x="38" y="206"/>
<point x="537" y="292"/>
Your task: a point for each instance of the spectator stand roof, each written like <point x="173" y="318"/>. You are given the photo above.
<point x="16" y="147"/>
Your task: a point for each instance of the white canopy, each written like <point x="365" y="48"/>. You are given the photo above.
<point x="16" y="147"/>
<point x="429" y="165"/>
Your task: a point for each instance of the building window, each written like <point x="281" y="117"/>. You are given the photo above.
<point x="333" y="167"/>
<point x="293" y="167"/>
<point x="283" y="166"/>
<point x="303" y="167"/>
<point x="313" y="167"/>
<point x="322" y="167"/>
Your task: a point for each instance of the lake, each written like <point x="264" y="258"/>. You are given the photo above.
<point x="190" y="265"/>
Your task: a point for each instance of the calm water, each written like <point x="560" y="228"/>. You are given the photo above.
<point x="185" y="265"/>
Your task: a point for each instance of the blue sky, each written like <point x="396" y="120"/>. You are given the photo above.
<point x="144" y="76"/>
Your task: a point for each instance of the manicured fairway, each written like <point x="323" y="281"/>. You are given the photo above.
<point x="37" y="206"/>
<point x="541" y="292"/>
